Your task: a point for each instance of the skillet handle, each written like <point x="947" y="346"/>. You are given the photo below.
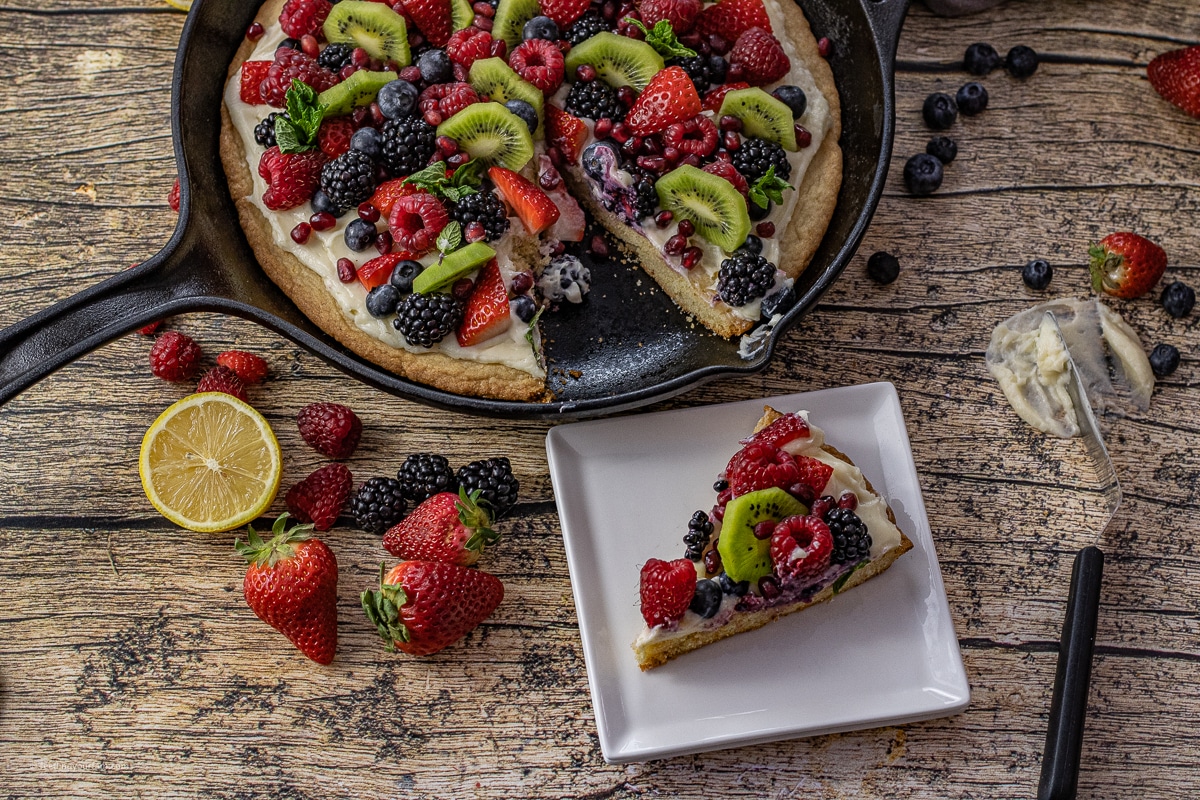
<point x="887" y="19"/>
<point x="38" y="345"/>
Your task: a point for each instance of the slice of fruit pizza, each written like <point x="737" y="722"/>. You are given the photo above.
<point x="795" y="523"/>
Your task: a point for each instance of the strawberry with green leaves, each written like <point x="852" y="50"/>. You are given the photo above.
<point x="447" y="527"/>
<point x="1126" y="265"/>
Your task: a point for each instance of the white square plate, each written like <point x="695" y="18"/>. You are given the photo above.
<point x="882" y="654"/>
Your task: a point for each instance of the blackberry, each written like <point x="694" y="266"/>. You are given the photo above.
<point x="422" y="475"/>
<point x="349" y="179"/>
<point x="594" y="100"/>
<point x="408" y="144"/>
<point x="485" y="208"/>
<point x="586" y="27"/>
<point x="851" y="542"/>
<point x="494" y="480"/>
<point x="705" y="71"/>
<point x="378" y="505"/>
<point x="700" y="528"/>
<point x="744" y="277"/>
<point x="335" y="56"/>
<point x="264" y="132"/>
<point x="640" y="200"/>
<point x="756" y="156"/>
<point x="1178" y="299"/>
<point x="425" y="319"/>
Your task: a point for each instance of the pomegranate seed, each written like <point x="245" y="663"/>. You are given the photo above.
<point x="824" y="47"/>
<point x="765" y="229"/>
<point x="564" y="46"/>
<point x="675" y="245"/>
<point x="631" y="146"/>
<point x="848" y="500"/>
<point x="308" y="43"/>
<point x="717" y="513"/>
<point x="712" y="559"/>
<point x="823" y="506"/>
<point x="603" y="128"/>
<point x="731" y="140"/>
<point x="651" y="146"/>
<point x="585" y="73"/>
<point x="557" y="249"/>
<point x="691" y="257"/>
<point x="458" y="159"/>
<point x="475" y="232"/>
<point x="433" y="118"/>
<point x="383" y="243"/>
<point x="360" y="117"/>
<point x="686" y="227"/>
<point x="377" y="115"/>
<point x="346" y="271"/>
<point x="254" y="32"/>
<point x="522" y="282"/>
<point x="704" y="49"/>
<point x="556" y="157"/>
<point x="347" y="71"/>
<point x="499" y="48"/>
<point x="368" y="212"/>
<point x="730" y="123"/>
<point x="764" y="529"/>
<point x="652" y="163"/>
<point x="626" y="95"/>
<point x="663" y="218"/>
<point x="691" y="159"/>
<point x="609" y="10"/>
<point x="411" y="74"/>
<point x="735" y="73"/>
<point x="322" y="221"/>
<point x="768" y="586"/>
<point x="446" y="145"/>
<point x="803" y="137"/>
<point x="462" y="288"/>
<point x="671" y="154"/>
<point x="460" y="72"/>
<point x="483" y="23"/>
<point x="415" y="40"/>
<point x="301" y="232"/>
<point x="599" y="246"/>
<point x="550" y="179"/>
<point x="691" y="39"/>
<point x="720" y="47"/>
<point x="484" y="9"/>
<point x="359" y="57"/>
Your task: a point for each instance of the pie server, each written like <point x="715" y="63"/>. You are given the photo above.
<point x="1068" y="705"/>
<point x="624" y="347"/>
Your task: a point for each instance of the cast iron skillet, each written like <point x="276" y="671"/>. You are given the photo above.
<point x="607" y="361"/>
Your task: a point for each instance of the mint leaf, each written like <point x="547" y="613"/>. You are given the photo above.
<point x="841" y="582"/>
<point x="662" y="39"/>
<point x="297" y="132"/>
<point x="768" y="188"/>
<point x="469" y="175"/>
<point x="450" y="239"/>
<point x="533" y="327"/>
<point x="464" y="182"/>
<point x="430" y="178"/>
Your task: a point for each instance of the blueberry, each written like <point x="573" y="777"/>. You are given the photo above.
<point x="290" y="44"/>
<point x="367" y="140"/>
<point x="524" y="307"/>
<point x="923" y="174"/>
<point x="757" y="212"/>
<point x="972" y="98"/>
<point x="1164" y="359"/>
<point x="943" y="148"/>
<point x="717" y="68"/>
<point x="383" y="300"/>
<point x="707" y="600"/>
<point x="541" y="28"/>
<point x="1178" y="298"/>
<point x="778" y="303"/>
<point x="883" y="268"/>
<point x="1037" y="274"/>
<point x="359" y="235"/>
<point x="794" y="98"/>
<point x="730" y="586"/>
<point x="403" y="275"/>
<point x="435" y="66"/>
<point x="397" y="99"/>
<point x="321" y="203"/>
<point x="939" y="111"/>
<point x="596" y="162"/>
<point x="525" y="111"/>
<point x="752" y="245"/>
<point x="1021" y="61"/>
<point x="981" y="58"/>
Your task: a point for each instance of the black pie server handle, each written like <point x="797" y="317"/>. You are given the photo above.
<point x="1068" y="707"/>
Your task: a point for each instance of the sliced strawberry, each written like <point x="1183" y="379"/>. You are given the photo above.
<point x="715" y="97"/>
<point x="487" y="313"/>
<point x="1176" y="76"/>
<point x="760" y="56"/>
<point x="377" y="271"/>
<point x="388" y="192"/>
<point x="787" y="428"/>
<point x="564" y="12"/>
<point x="333" y="136"/>
<point x="567" y="133"/>
<point x="253" y="74"/>
<point x="680" y="13"/>
<point x="433" y="19"/>
<point x="533" y="206"/>
<point x="729" y="19"/>
<point x="670" y="97"/>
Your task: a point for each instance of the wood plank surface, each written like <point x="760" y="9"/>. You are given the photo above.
<point x="131" y="667"/>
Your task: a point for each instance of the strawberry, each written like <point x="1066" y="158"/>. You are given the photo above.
<point x="801" y="547"/>
<point x="173" y="196"/>
<point x="333" y="137"/>
<point x="680" y="13"/>
<point x="223" y="379"/>
<point x="761" y="57"/>
<point x="253" y="74"/>
<point x="447" y="527"/>
<point x="1126" y="265"/>
<point x="670" y="97"/>
<point x="388" y="192"/>
<point x="567" y="133"/>
<point x="249" y="367"/>
<point x="535" y="209"/>
<point x="331" y="429"/>
<point x="539" y="62"/>
<point x="432" y="17"/>
<point x="487" y="313"/>
<point x="416" y="220"/>
<point x="422" y="607"/>
<point x="729" y="19"/>
<point x="564" y="12"/>
<point x="292" y="177"/>
<point x="787" y="428"/>
<point x="1176" y="76"/>
<point x="321" y="496"/>
<point x="468" y="46"/>
<point x="667" y="588"/>
<point x="715" y="97"/>
<point x="174" y="357"/>
<point x="814" y="474"/>
<point x="291" y="584"/>
<point x="729" y="172"/>
<point x="760" y="466"/>
<point x="304" y="17"/>
<point x="377" y="271"/>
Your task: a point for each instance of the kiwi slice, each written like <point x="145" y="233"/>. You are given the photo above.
<point x="491" y="76"/>
<point x="712" y="204"/>
<point x="452" y="267"/>
<point x="461" y="14"/>
<point x="744" y="556"/>
<point x="621" y="61"/>
<point x="495" y="136"/>
<point x="372" y="26"/>
<point x="511" y="16"/>
<point x="762" y="116"/>
<point x="357" y="90"/>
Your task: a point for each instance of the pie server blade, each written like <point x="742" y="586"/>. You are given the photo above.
<point x="1068" y="706"/>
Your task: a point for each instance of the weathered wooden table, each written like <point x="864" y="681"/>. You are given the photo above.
<point x="130" y="666"/>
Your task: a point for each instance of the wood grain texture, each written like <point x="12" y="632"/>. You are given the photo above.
<point x="130" y="666"/>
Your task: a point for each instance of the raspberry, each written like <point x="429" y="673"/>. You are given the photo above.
<point x="252" y="76"/>
<point x="293" y="177"/>
<point x="814" y="474"/>
<point x="697" y="136"/>
<point x="727" y="171"/>
<point x="223" y="379"/>
<point x="248" y="367"/>
<point x="416" y="220"/>
<point x="783" y="430"/>
<point x="760" y="466"/>
<point x="292" y="65"/>
<point x="468" y="46"/>
<point x="174" y="357"/>
<point x="539" y="62"/>
<point x="680" y="13"/>
<point x="667" y="589"/>
<point x="300" y="17"/>
<point x="447" y="98"/>
<point x="801" y="548"/>
<point x="330" y="428"/>
<point x="333" y="137"/>
<point x="173" y="197"/>
<point x="320" y="497"/>
<point x="761" y="57"/>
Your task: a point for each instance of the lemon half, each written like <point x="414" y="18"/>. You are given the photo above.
<point x="210" y="463"/>
<point x="182" y="5"/>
